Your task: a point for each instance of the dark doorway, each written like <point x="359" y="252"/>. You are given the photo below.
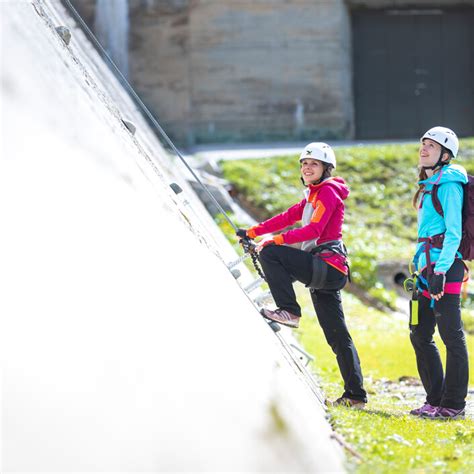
<point x="413" y="69"/>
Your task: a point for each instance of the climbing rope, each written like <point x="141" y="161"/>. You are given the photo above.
<point x="248" y="247"/>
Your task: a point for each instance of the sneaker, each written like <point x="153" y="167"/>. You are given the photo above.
<point x="425" y="409"/>
<point x="347" y="402"/>
<point x="281" y="316"/>
<point x="443" y="413"/>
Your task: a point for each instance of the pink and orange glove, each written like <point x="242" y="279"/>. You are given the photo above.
<point x="275" y="240"/>
<point x="252" y="234"/>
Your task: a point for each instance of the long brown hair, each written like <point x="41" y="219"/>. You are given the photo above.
<point x="326" y="173"/>
<point x="421" y="187"/>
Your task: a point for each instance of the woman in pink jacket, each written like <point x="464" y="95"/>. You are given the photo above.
<point x="313" y="254"/>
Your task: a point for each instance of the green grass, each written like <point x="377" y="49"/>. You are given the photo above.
<point x="394" y="443"/>
<point x="387" y="439"/>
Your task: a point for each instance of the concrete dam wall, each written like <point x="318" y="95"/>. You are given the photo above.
<point x="126" y="344"/>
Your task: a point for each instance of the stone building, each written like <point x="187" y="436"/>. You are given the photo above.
<point x="251" y="70"/>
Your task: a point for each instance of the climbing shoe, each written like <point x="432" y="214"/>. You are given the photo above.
<point x="443" y="413"/>
<point x="425" y="409"/>
<point x="281" y="316"/>
<point x="347" y="402"/>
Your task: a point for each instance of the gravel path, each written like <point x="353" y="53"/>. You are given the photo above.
<point x="409" y="393"/>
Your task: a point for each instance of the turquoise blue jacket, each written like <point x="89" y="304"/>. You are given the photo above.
<point x="430" y="223"/>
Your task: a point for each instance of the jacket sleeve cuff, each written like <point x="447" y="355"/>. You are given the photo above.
<point x="278" y="239"/>
<point x="251" y="232"/>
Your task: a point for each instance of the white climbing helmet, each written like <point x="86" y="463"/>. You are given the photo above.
<point x="319" y="151"/>
<point x="445" y="137"/>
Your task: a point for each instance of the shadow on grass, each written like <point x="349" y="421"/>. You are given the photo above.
<point x="387" y="415"/>
<point x="384" y="414"/>
<point x="369" y="411"/>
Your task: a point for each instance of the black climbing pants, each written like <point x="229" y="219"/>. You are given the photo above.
<point x="282" y="266"/>
<point x="450" y="389"/>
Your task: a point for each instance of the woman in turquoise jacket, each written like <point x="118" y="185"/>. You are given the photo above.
<point x="441" y="272"/>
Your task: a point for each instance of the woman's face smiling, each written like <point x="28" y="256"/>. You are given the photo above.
<point x="429" y="152"/>
<point x="311" y="170"/>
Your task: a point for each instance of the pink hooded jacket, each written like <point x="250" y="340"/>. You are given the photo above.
<point x="322" y="215"/>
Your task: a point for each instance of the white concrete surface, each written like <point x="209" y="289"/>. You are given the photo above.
<point x="126" y="345"/>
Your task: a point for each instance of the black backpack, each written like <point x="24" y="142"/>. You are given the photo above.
<point x="467" y="240"/>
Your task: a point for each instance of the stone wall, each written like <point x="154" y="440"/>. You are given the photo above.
<point x="248" y="70"/>
<point x="160" y="62"/>
<point x="242" y="70"/>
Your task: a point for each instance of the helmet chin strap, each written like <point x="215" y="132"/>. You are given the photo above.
<point x="439" y="164"/>
<point x="313" y="183"/>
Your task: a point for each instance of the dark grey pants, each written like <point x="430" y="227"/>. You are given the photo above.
<point x="282" y="266"/>
<point x="450" y="389"/>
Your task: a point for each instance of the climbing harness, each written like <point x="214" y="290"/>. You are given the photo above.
<point x="413" y="283"/>
<point x="320" y="269"/>
<point x="436" y="241"/>
<point x="248" y="247"/>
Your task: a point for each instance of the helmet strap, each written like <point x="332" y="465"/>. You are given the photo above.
<point x="319" y="181"/>
<point x="326" y="174"/>
<point x="440" y="163"/>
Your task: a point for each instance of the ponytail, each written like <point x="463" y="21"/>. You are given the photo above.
<point x="422" y="176"/>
